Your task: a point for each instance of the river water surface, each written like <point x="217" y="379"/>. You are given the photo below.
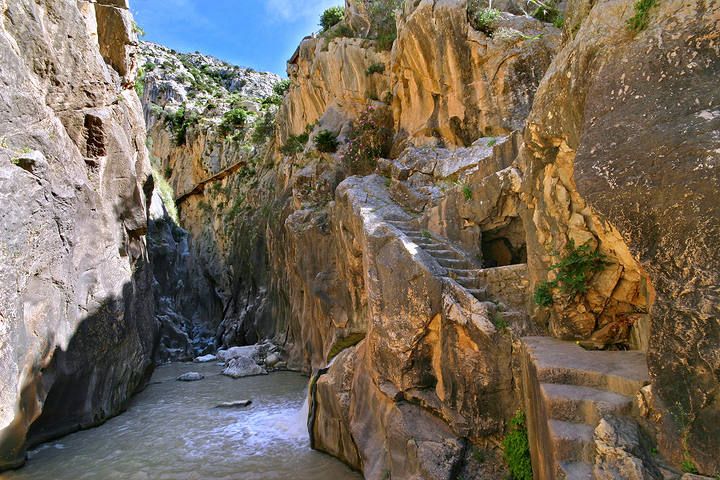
<point x="172" y="431"/>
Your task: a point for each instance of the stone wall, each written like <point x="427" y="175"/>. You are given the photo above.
<point x="77" y="330"/>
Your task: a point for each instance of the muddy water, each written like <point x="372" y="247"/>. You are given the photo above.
<point x="173" y="432"/>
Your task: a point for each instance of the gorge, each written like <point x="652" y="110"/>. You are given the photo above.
<point x="484" y="233"/>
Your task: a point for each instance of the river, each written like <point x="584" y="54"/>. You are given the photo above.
<point x="171" y="431"/>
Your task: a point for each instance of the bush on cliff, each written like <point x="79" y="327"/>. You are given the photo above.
<point x="331" y="17"/>
<point x="516" y="449"/>
<point x="179" y="122"/>
<point x="232" y="121"/>
<point x="382" y="19"/>
<point x="295" y="144"/>
<point x="326" y="142"/>
<point x="370" y="138"/>
<point x="573" y="273"/>
<point x="282" y="87"/>
<point x="482" y="19"/>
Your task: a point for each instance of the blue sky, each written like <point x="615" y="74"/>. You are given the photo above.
<point x="261" y="34"/>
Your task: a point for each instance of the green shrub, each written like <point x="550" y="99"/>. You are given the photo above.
<point x="375" y="68"/>
<point x="339" y="31"/>
<point x="382" y="21"/>
<point x="295" y="144"/>
<point x="331" y="17"/>
<point x="232" y="121"/>
<point x="688" y="466"/>
<point x="179" y="122"/>
<point x="370" y="138"/>
<point x="543" y="294"/>
<point x="326" y="142"/>
<point x="574" y="272"/>
<point x="467" y="192"/>
<point x="547" y="11"/>
<point x="640" y="20"/>
<point x="282" y="87"/>
<point x="492" y="142"/>
<point x="516" y="449"/>
<point x="482" y="19"/>
<point x="264" y="129"/>
<point x="140" y="82"/>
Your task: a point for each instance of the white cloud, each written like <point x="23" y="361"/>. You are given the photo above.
<point x="299" y="10"/>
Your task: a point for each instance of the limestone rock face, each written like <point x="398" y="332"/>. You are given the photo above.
<point x="456" y="84"/>
<point x="330" y="78"/>
<point x="77" y="330"/>
<point x="621" y="151"/>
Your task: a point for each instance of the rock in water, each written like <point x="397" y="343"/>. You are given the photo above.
<point x="190" y="377"/>
<point x="205" y="359"/>
<point x="240" y="367"/>
<point x="236" y="404"/>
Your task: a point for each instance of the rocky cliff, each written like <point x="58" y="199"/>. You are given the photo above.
<point x="77" y="330"/>
<point x="476" y="229"/>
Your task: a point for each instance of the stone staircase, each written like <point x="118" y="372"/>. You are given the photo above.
<point x="465" y="271"/>
<point x="457" y="265"/>
<point x="568" y="390"/>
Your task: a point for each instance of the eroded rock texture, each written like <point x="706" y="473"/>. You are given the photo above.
<point x="621" y="150"/>
<point x="77" y="330"/>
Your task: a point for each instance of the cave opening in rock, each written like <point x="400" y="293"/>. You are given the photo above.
<point x="505" y="245"/>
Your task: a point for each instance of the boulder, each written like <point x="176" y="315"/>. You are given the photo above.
<point x="241" y="366"/>
<point x="205" y="359"/>
<point x="190" y="377"/>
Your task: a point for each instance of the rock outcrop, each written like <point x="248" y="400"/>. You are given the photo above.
<point x="408" y="285"/>
<point x="77" y="330"/>
<point x="621" y="151"/>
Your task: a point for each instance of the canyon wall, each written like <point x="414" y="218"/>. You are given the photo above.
<point x="406" y="285"/>
<point x="77" y="330"/>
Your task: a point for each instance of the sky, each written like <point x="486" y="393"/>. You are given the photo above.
<point x="261" y="34"/>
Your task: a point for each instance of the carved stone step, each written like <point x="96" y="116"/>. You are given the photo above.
<point x="575" y="471"/>
<point x="583" y="404"/>
<point x="572" y="442"/>
<point x="479" y="293"/>
<point x="453" y="263"/>
<point x="562" y="362"/>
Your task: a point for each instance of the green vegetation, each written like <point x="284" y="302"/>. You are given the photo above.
<point x="547" y="11"/>
<point x="137" y="29"/>
<point x="331" y="17"/>
<point x="478" y="455"/>
<point x="370" y="138"/>
<point x="543" y="294"/>
<point x="264" y="129"/>
<point x="339" y="31"/>
<point x="573" y="273"/>
<point x="500" y="322"/>
<point x="467" y="192"/>
<point x="688" y="466"/>
<point x="517" y="449"/>
<point x="282" y="87"/>
<point x="640" y="21"/>
<point x="326" y="141"/>
<point x="167" y="194"/>
<point x="382" y="20"/>
<point x="179" y="122"/>
<point x="140" y="82"/>
<point x="295" y="144"/>
<point x="426" y="234"/>
<point x="492" y="142"/>
<point x="345" y="343"/>
<point x="232" y="121"/>
<point x="483" y="19"/>
<point x="375" y="68"/>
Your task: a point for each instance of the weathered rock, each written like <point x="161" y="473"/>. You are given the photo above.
<point x="235" y="404"/>
<point x="240" y="366"/>
<point x="619" y="452"/>
<point x="205" y="359"/>
<point x="612" y="105"/>
<point x="190" y="377"/>
<point x="76" y="308"/>
<point x="456" y="84"/>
